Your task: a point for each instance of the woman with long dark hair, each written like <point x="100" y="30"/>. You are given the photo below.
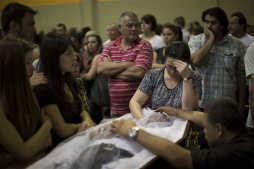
<point x="59" y="98"/>
<point x="24" y="131"/>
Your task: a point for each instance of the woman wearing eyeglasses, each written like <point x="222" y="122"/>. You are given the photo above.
<point x="174" y="85"/>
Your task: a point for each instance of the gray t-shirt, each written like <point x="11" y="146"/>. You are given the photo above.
<point x="154" y="86"/>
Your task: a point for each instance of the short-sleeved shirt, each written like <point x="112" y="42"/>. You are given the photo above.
<point x="156" y="42"/>
<point x="45" y="96"/>
<point x="247" y="40"/>
<point x="121" y="91"/>
<point x="153" y="85"/>
<point x="237" y="153"/>
<point x="219" y="69"/>
<point x="249" y="69"/>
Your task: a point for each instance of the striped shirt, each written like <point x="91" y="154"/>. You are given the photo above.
<point x="121" y="91"/>
<point x="219" y="69"/>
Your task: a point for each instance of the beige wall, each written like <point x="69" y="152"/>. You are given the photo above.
<point x="49" y="16"/>
<point x="98" y="14"/>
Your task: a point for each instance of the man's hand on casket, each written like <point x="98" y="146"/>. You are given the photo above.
<point x="193" y="116"/>
<point x="122" y="127"/>
<point x="169" y="111"/>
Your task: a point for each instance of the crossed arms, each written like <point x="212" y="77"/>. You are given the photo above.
<point x="120" y="70"/>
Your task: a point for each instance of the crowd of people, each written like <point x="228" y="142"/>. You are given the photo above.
<point x="65" y="83"/>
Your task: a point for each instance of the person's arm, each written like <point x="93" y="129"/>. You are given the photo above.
<point x="93" y="70"/>
<point x="136" y="103"/>
<point x="194" y="116"/>
<point x="87" y="122"/>
<point x="155" y="56"/>
<point x="22" y="151"/>
<point x="241" y="88"/>
<point x="112" y="68"/>
<point x="189" y="98"/>
<point x="60" y="127"/>
<point x="106" y="67"/>
<point x="200" y="55"/>
<point x="251" y="97"/>
<point x="143" y="63"/>
<point x="133" y="73"/>
<point x="37" y="79"/>
<point x="175" y="155"/>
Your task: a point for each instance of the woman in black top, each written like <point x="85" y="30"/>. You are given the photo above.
<point x="59" y="98"/>
<point x="24" y="131"/>
<point x="170" y="33"/>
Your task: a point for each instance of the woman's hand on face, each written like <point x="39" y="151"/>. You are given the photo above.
<point x="182" y="68"/>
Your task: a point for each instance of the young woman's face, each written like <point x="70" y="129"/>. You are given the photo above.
<point x="145" y="27"/>
<point x="76" y="70"/>
<point x="67" y="60"/>
<point x="29" y="63"/>
<point x="168" y="36"/>
<point x="92" y="44"/>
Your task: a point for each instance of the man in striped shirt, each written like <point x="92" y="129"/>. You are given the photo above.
<point x="125" y="61"/>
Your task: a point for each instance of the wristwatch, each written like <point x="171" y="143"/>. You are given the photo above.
<point x="133" y="132"/>
<point x="185" y="79"/>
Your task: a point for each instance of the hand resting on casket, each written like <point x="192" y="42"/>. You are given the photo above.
<point x="101" y="133"/>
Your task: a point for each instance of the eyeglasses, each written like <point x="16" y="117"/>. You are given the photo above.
<point x="169" y="67"/>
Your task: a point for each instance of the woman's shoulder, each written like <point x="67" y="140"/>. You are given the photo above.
<point x="43" y="90"/>
<point x="42" y="87"/>
<point x="45" y="95"/>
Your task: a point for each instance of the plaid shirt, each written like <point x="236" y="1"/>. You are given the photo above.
<point x="219" y="70"/>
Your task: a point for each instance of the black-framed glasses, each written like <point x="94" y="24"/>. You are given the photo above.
<point x="169" y="67"/>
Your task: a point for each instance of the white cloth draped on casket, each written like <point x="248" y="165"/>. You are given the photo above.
<point x="97" y="147"/>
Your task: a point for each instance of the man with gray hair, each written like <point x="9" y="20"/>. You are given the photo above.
<point x="112" y="32"/>
<point x="125" y="61"/>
